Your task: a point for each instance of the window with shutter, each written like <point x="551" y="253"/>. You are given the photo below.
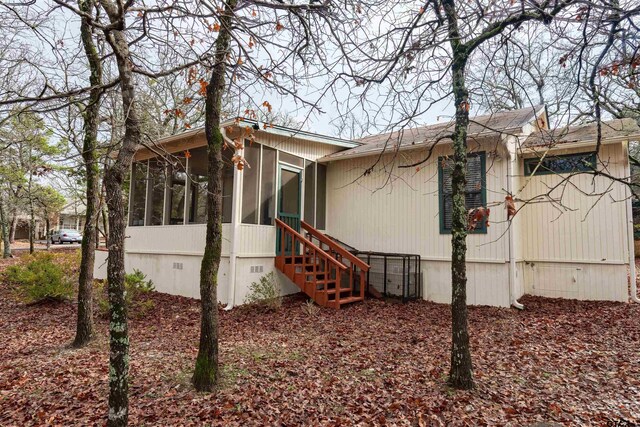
<point x="475" y="190"/>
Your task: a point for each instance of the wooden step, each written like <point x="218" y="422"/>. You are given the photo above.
<point x="334" y="290"/>
<point x="343" y="301"/>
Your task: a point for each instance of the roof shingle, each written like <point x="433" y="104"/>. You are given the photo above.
<point x="583" y="133"/>
<point x="485" y="125"/>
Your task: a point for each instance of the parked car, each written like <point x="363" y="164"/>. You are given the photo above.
<point x="64" y="235"/>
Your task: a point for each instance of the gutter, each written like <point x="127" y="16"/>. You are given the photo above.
<point x="512" y="259"/>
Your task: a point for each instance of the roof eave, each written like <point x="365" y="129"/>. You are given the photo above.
<point x="275" y="129"/>
<point x="295" y="133"/>
<point x="481" y="135"/>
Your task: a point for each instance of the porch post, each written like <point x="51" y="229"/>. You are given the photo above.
<point x="146" y="195"/>
<point x="236" y="219"/>
<point x="187" y="191"/>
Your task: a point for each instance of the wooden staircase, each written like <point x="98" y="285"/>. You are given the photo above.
<point x="325" y="271"/>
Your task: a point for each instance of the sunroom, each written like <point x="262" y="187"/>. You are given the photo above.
<point x="167" y="205"/>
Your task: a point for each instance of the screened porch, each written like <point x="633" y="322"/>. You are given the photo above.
<point x="171" y="190"/>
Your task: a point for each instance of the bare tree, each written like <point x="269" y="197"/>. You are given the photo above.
<point x="408" y="60"/>
<point x="244" y="35"/>
<point x="91" y="115"/>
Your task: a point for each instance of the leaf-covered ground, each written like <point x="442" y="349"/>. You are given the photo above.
<point x="374" y="363"/>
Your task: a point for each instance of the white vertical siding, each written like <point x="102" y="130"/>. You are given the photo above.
<point x="397" y="210"/>
<point x="302" y="148"/>
<point x="590" y="226"/>
<point x="487" y="283"/>
<point x="577" y="250"/>
<point x="257" y="240"/>
<point x="172" y="239"/>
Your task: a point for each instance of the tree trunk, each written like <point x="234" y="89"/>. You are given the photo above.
<point x="12" y="229"/>
<point x="4" y="230"/>
<point x="47" y="225"/>
<point x="118" y="325"/>
<point x="206" y="374"/>
<point x="461" y="371"/>
<point x="32" y="216"/>
<point x="84" y="325"/>
<point x="114" y="179"/>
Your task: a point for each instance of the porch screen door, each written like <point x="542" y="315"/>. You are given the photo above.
<point x="289" y="203"/>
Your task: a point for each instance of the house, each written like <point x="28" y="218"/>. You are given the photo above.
<point x="21" y="227"/>
<point x="72" y="215"/>
<point x="308" y="200"/>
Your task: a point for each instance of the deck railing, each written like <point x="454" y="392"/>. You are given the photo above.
<point x="357" y="268"/>
<point x="312" y="260"/>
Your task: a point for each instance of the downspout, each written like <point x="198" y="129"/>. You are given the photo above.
<point x="630" y="240"/>
<point x="512" y="257"/>
<point x="236" y="199"/>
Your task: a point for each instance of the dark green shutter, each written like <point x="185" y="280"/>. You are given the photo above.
<point x="475" y="188"/>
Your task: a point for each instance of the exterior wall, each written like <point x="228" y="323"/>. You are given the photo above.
<point x="172" y="240"/>
<point x="397" y="210"/>
<point x="592" y="281"/>
<point x="170" y="256"/>
<point x="306" y="149"/>
<point x="487" y="282"/>
<point x="580" y="249"/>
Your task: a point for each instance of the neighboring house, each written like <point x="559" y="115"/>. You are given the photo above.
<point x="22" y="222"/>
<point x="72" y="216"/>
<point x="573" y="242"/>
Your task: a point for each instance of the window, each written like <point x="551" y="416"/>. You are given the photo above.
<point x="268" y="186"/>
<point x="177" y="193"/>
<point x="310" y="193"/>
<point x="561" y="164"/>
<point x="321" y="197"/>
<point x="198" y="176"/>
<point x="199" y="184"/>
<point x="475" y="191"/>
<point x="291" y="159"/>
<point x="138" y="193"/>
<point x="158" y="185"/>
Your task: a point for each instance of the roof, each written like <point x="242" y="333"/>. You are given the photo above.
<point x="479" y="127"/>
<point x="612" y="131"/>
<point x="275" y="129"/>
<point x="73" y="207"/>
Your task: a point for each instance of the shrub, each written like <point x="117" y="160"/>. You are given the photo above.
<point x="136" y="286"/>
<point x="40" y="277"/>
<point x="265" y="293"/>
<point x="310" y="308"/>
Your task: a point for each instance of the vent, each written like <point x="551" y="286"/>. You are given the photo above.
<point x="257" y="268"/>
<point x="177" y="266"/>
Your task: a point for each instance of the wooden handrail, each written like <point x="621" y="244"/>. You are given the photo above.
<point x="335" y="247"/>
<point x="309" y="243"/>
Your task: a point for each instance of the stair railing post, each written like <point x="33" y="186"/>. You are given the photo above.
<point x="313" y="273"/>
<point x="338" y="285"/>
<point x="282" y="241"/>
